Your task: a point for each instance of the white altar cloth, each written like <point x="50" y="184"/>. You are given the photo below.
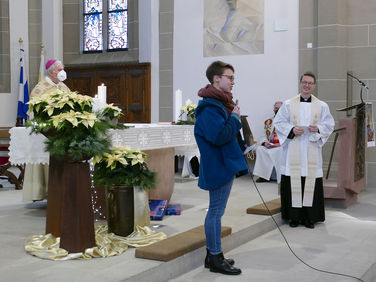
<point x="153" y="136"/>
<point x="188" y="152"/>
<point x="29" y="149"/>
<point x="25" y="148"/>
<point x="158" y="136"/>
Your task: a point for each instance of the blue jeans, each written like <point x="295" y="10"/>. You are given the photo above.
<point x="218" y="201"/>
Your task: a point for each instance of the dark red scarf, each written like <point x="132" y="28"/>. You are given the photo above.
<point x="209" y="91"/>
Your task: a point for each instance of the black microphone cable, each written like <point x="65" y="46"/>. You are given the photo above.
<point x="287" y="243"/>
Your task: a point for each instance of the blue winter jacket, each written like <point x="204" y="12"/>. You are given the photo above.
<point x="215" y="132"/>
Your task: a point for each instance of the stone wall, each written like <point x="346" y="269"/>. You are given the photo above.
<point x="4" y="47"/>
<point x="343" y="38"/>
<point x="35" y="40"/>
<point x="166" y="54"/>
<point x="72" y="37"/>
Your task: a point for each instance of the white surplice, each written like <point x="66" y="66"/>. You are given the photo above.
<point x="284" y="124"/>
<point x="266" y="160"/>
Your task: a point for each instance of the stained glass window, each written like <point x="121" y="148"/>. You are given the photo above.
<point x="117" y="24"/>
<point x="117" y="5"/>
<point x="100" y="31"/>
<point x="93" y="33"/>
<point x="93" y="6"/>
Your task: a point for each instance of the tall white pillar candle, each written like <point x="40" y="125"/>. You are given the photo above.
<point x="102" y="93"/>
<point x="178" y="103"/>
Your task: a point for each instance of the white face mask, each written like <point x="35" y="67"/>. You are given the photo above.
<point x="62" y="75"/>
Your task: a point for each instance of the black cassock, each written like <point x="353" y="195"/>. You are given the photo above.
<point x="314" y="214"/>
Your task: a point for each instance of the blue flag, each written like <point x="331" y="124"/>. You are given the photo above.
<point x="23" y="91"/>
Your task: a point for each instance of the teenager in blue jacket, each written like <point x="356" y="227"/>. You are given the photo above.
<point x="216" y="127"/>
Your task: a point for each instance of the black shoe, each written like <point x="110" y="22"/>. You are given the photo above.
<point x="309" y="224"/>
<point x="218" y="264"/>
<point x="207" y="259"/>
<point x="260" y="180"/>
<point x="294" y="223"/>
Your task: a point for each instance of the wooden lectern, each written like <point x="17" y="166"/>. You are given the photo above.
<point x="350" y="181"/>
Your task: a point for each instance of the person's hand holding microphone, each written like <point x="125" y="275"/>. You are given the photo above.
<point x="236" y="109"/>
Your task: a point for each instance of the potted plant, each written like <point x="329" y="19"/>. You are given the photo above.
<point x="111" y="114"/>
<point x="121" y="171"/>
<point x="107" y="112"/>
<point x="189" y="112"/>
<point x="75" y="134"/>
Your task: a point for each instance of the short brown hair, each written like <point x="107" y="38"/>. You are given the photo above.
<point x="308" y="74"/>
<point x="217" y="68"/>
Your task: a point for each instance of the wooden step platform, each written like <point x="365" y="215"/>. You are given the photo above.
<point x="274" y="206"/>
<point x="177" y="245"/>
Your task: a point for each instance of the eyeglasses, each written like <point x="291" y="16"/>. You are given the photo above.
<point x="307" y="82"/>
<point x="230" y="77"/>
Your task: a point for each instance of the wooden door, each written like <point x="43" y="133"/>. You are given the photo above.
<point x="115" y="83"/>
<point x="136" y="100"/>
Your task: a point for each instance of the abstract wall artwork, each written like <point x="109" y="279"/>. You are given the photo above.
<point x="233" y="27"/>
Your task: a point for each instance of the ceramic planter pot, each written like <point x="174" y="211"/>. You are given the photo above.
<point x="120" y="209"/>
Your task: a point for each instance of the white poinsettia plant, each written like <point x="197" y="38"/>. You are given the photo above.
<point x="72" y="128"/>
<point x="123" y="166"/>
<point x="189" y="110"/>
<point x="187" y="116"/>
<point x="111" y="111"/>
<point x="51" y="110"/>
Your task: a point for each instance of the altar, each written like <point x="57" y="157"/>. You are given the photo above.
<point x="158" y="141"/>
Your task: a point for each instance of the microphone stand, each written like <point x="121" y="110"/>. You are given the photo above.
<point x="362" y="84"/>
<point x="360" y="116"/>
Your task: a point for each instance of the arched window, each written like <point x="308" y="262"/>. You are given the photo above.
<point x="105" y="29"/>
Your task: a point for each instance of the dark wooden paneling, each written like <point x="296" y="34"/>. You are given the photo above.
<point x="128" y="86"/>
<point x="81" y="82"/>
<point x="136" y="102"/>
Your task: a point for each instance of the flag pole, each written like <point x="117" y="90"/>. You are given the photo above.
<point x="19" y="121"/>
<point x="41" y="65"/>
<point x="23" y="89"/>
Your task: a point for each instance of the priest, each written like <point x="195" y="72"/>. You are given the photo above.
<point x="268" y="155"/>
<point x="53" y="81"/>
<point x="303" y="125"/>
<point x="36" y="175"/>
